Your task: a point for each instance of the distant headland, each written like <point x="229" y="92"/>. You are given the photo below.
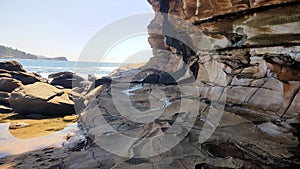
<point x="10" y="53"/>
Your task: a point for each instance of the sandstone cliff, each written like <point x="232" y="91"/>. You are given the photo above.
<point x="250" y="51"/>
<point x="232" y="66"/>
<point x="222" y="88"/>
<point x="222" y="91"/>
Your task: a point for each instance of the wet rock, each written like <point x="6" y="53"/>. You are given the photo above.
<point x="12" y="66"/>
<point x="75" y="140"/>
<point x="41" y="98"/>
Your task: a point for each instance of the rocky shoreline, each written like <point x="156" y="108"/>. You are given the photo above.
<point x="31" y="109"/>
<point x="231" y="104"/>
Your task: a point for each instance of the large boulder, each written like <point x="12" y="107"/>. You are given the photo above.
<point x="41" y="98"/>
<point x="65" y="79"/>
<point x="12" y="66"/>
<point x="24" y="77"/>
<point x="9" y="84"/>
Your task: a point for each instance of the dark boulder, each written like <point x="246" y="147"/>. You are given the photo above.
<point x="8" y="84"/>
<point x="106" y="80"/>
<point x="158" y="78"/>
<point x="66" y="79"/>
<point x="152" y="78"/>
<point x="42" y="98"/>
<point x="59" y="74"/>
<point x="12" y="66"/>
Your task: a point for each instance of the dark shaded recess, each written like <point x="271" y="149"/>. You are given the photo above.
<point x="158" y="78"/>
<point x="180" y="46"/>
<point x="164" y="6"/>
<point x="195" y="69"/>
<point x="275" y="38"/>
<point x="168" y="30"/>
<point x="244" y="12"/>
<point x="166" y="79"/>
<point x="296" y="133"/>
<point x="230" y="48"/>
<point x="137" y="160"/>
<point x="106" y="80"/>
<point x="103" y="81"/>
<point x="236" y="40"/>
<point x="152" y="78"/>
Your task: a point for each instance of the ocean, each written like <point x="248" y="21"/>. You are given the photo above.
<point x="83" y="69"/>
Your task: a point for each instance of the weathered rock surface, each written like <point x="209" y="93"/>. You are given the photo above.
<point x="75" y="140"/>
<point x="24" y="77"/>
<point x="234" y="62"/>
<point x="9" y="84"/>
<point x="41" y="98"/>
<point x="235" y="103"/>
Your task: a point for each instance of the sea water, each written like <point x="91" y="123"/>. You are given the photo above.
<point x="46" y="67"/>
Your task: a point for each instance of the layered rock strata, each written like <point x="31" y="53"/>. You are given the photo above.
<point x="235" y="62"/>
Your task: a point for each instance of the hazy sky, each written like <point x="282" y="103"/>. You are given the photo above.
<point x="62" y="27"/>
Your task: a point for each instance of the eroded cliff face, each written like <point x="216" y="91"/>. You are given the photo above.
<point x="247" y="49"/>
<point x="222" y="90"/>
<point x="255" y="42"/>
